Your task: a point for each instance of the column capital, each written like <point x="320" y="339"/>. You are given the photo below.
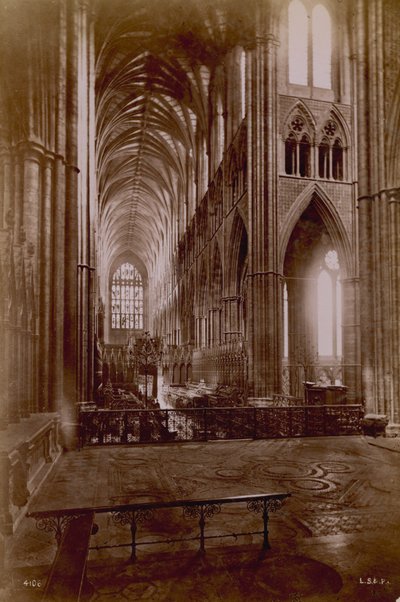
<point x="393" y="195"/>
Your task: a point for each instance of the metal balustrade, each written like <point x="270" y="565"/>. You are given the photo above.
<point x="57" y="521"/>
<point x="113" y="427"/>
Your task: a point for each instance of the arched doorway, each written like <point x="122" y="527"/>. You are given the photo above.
<point x="312" y="305"/>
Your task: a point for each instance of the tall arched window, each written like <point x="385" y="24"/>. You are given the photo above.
<point x="321" y="47"/>
<point x="285" y="321"/>
<point x="329" y="307"/>
<point x="243" y="84"/>
<point x="298" y="43"/>
<point x="306" y="41"/>
<point x="127" y="298"/>
<point x="220" y="131"/>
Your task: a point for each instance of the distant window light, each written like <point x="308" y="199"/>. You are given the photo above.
<point x="325" y="314"/>
<point x="339" y="348"/>
<point x="220" y="130"/>
<point x="332" y="260"/>
<point x="285" y="321"/>
<point x="321" y="47"/>
<point x="330" y="306"/>
<point x="243" y="83"/>
<point x="127" y="298"/>
<point x="298" y="43"/>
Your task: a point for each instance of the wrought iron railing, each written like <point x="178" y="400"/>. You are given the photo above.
<point x="282" y="400"/>
<point x="113" y="427"/>
<point x="56" y="521"/>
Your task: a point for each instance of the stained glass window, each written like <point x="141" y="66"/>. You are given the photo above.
<point x="127" y="298"/>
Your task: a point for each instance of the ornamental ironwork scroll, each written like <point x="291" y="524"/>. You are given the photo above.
<point x="55" y="524"/>
<point x="202" y="512"/>
<point x="265" y="506"/>
<point x="132" y="518"/>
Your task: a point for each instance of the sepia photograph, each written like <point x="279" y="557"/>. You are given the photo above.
<point x="199" y="300"/>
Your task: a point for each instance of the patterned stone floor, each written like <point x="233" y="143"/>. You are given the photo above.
<point x="336" y="538"/>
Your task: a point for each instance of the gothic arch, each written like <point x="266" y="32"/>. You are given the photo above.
<point x="237" y="249"/>
<point x="190" y="309"/>
<point x="299" y="110"/>
<point x="393" y="147"/>
<point x="330" y="217"/>
<point x="216" y="281"/>
<point x="202" y="290"/>
<point x="336" y="116"/>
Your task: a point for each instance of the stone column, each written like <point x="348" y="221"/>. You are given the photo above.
<point x="264" y="290"/>
<point x="44" y="308"/>
<point x="364" y="208"/>
<point x="366" y="310"/>
<point x="351" y="340"/>
<point x="394" y="271"/>
<point x="58" y="221"/>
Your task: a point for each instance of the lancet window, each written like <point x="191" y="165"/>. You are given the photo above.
<point x="329" y="307"/>
<point x="310" y="43"/>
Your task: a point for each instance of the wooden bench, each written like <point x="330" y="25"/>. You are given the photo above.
<point x="67" y="579"/>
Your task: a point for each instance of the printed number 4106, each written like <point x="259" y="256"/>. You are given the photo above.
<point x="32" y="583"/>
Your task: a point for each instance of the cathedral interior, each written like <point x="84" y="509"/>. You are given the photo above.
<point x="200" y="300"/>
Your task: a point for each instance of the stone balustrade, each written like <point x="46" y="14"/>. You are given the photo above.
<point x="28" y="451"/>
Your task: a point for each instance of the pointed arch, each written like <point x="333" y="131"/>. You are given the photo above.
<point x="393" y="133"/>
<point x="342" y="131"/>
<point x="299" y="110"/>
<point x="237" y="254"/>
<point x="216" y="280"/>
<point x="329" y="215"/>
<point x="202" y="288"/>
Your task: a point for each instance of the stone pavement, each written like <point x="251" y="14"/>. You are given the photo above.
<point x="334" y="539"/>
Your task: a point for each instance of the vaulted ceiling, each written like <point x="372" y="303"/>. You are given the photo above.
<point x="154" y="61"/>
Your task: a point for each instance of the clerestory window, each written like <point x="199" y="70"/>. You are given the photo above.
<point x="310" y="46"/>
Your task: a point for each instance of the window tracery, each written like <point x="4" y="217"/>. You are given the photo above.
<point x="298" y="145"/>
<point x="331" y="152"/>
<point x="127" y="298"/>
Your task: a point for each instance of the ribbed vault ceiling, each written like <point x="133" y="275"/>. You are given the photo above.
<point x="153" y="67"/>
